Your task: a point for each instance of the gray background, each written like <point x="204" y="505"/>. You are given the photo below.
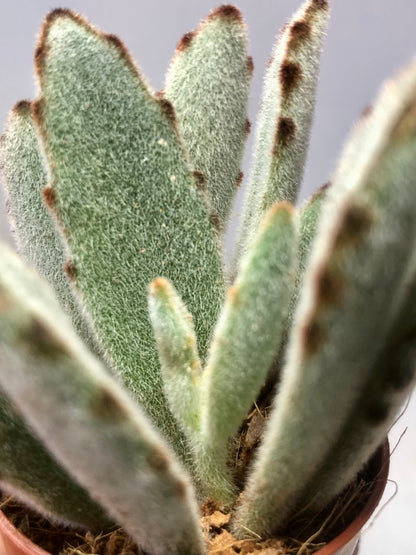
<point x="368" y="40"/>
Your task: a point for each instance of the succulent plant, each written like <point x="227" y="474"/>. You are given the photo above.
<point x="129" y="358"/>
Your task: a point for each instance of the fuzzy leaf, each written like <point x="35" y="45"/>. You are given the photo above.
<point x="179" y="361"/>
<point x="208" y="85"/>
<point x="108" y="444"/>
<point x="246" y="340"/>
<point x="362" y="254"/>
<point x="35" y="233"/>
<point x="392" y="379"/>
<point x="285" y="116"/>
<point x="28" y="472"/>
<point x="309" y="218"/>
<point x="125" y="197"/>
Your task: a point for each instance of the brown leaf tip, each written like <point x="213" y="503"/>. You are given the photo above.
<point x="286" y="129"/>
<point x="313" y="337"/>
<point x="54" y="15"/>
<point x="226" y="11"/>
<point x="49" y="197"/>
<point x="22" y="107"/>
<point x="185" y="41"/>
<point x="250" y="65"/>
<point x="70" y="270"/>
<point x="290" y="74"/>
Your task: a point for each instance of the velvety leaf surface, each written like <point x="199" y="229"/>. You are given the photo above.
<point x="208" y="85"/>
<point x="88" y="420"/>
<point x="125" y="197"/>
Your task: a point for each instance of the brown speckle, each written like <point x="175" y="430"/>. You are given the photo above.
<point x="70" y="270"/>
<point x="356" y="221"/>
<point x="368" y="110"/>
<point x="185" y="41"/>
<point x="39" y="57"/>
<point x="114" y="40"/>
<point x="313" y="337"/>
<point x="40" y="340"/>
<point x="240" y="179"/>
<point x="118" y="45"/>
<point x="105" y="406"/>
<point x="215" y="220"/>
<point x="286" y="129"/>
<point x="157" y="460"/>
<point x="247" y="126"/>
<point x="250" y="65"/>
<point x="321" y="4"/>
<point x="329" y="286"/>
<point x="48" y="194"/>
<point x="300" y="30"/>
<point x="290" y="75"/>
<point x="37" y="107"/>
<point x="200" y="180"/>
<point x="181" y="489"/>
<point x="226" y="11"/>
<point x="167" y="108"/>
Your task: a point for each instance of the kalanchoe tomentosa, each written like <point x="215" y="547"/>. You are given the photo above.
<point x="119" y="324"/>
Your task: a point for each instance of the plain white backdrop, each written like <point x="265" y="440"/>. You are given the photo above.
<point x="368" y="41"/>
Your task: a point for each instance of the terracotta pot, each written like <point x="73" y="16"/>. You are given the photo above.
<point x="12" y="542"/>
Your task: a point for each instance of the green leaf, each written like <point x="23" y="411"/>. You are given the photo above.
<point x="285" y="116"/>
<point x="208" y="84"/>
<point x="37" y="238"/>
<point x="108" y="445"/>
<point x="354" y="290"/>
<point x="246" y="339"/>
<point x="30" y="473"/>
<point x="178" y="354"/>
<point x="125" y="197"/>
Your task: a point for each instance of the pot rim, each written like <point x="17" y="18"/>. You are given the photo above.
<point x="14" y="539"/>
<point x="353" y="530"/>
